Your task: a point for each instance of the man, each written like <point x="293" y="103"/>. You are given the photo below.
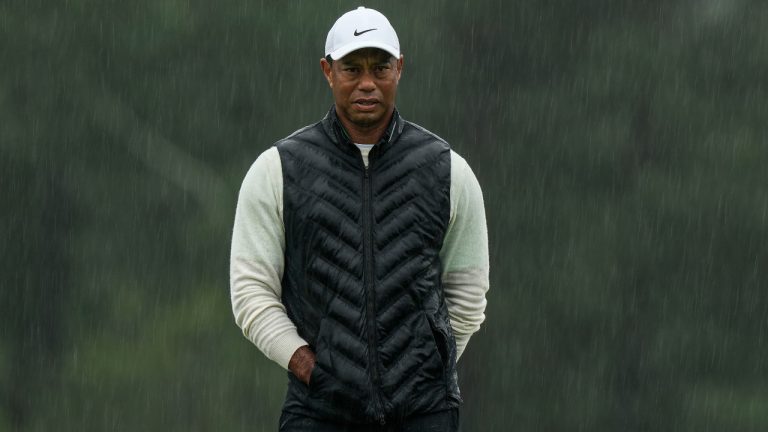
<point x="360" y="254"/>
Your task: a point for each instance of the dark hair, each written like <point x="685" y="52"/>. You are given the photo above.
<point x="330" y="60"/>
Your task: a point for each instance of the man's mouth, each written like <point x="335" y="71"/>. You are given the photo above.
<point x="363" y="104"/>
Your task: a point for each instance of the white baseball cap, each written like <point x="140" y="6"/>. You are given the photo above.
<point x="361" y="28"/>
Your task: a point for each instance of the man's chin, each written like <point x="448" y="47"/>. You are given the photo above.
<point x="366" y="120"/>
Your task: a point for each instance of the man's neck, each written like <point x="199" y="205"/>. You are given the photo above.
<point x="362" y="135"/>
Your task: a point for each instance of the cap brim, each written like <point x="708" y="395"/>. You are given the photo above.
<point x="346" y="49"/>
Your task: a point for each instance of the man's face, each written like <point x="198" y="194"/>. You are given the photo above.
<point x="364" y="83"/>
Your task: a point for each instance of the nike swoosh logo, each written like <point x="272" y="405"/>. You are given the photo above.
<point x="364" y="31"/>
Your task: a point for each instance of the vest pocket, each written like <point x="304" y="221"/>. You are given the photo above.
<point x="319" y="347"/>
<point x="440" y="336"/>
<point x="326" y="386"/>
<point x="315" y="379"/>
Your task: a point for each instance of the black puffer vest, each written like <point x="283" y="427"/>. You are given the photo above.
<point x="362" y="272"/>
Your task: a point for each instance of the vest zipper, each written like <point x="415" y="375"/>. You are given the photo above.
<point x="370" y="295"/>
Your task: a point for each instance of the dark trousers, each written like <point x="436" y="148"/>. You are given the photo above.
<point x="441" y="421"/>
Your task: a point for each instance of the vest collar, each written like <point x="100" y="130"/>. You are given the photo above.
<point x="338" y="134"/>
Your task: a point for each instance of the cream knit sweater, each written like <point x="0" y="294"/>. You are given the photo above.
<point x="258" y="245"/>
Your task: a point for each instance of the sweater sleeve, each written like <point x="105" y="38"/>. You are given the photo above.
<point x="256" y="262"/>
<point x="465" y="254"/>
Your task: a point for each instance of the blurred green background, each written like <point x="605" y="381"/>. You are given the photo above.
<point x="621" y="146"/>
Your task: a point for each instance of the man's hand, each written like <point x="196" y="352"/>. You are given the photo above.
<point x="301" y="364"/>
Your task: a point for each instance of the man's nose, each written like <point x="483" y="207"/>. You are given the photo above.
<point x="367" y="81"/>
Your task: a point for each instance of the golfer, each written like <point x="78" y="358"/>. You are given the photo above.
<point x="359" y="257"/>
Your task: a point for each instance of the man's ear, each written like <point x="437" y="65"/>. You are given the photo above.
<point x="400" y="63"/>
<point x="327" y="71"/>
